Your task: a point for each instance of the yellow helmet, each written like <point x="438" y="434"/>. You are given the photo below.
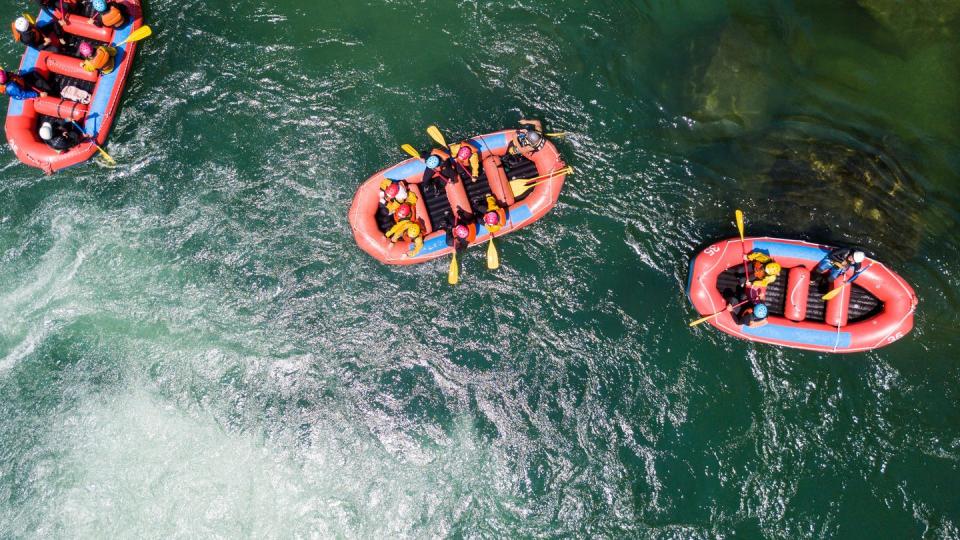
<point x="772" y="268"/>
<point x="413" y="231"/>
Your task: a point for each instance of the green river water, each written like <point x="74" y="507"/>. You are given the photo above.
<point x="192" y="346"/>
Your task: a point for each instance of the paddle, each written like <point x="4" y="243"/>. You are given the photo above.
<point x="453" y="275"/>
<point x="140" y="33"/>
<point x="559" y="135"/>
<point x="411" y="150"/>
<point x="435" y="134"/>
<point x="708" y="317"/>
<point x="520" y="186"/>
<point x="833" y="294"/>
<point x="743" y="244"/>
<point x="103" y="152"/>
<point x="493" y="258"/>
<point x="29" y="18"/>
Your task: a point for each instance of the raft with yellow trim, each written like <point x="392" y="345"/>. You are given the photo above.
<point x="437" y="211"/>
<point x="873" y="311"/>
<point x="24" y="117"/>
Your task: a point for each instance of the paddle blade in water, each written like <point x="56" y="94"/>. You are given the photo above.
<point x="493" y="258"/>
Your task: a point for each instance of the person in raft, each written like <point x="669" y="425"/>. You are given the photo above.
<point x="407" y="227"/>
<point x="47" y="37"/>
<point x="108" y="14"/>
<point x="838" y="262"/>
<point x="764" y="272"/>
<point x="466" y="161"/>
<point x="53" y="7"/>
<point x="28" y="85"/>
<point x="753" y="316"/>
<point x="394" y="194"/>
<point x="101" y="59"/>
<point x="495" y="217"/>
<point x="60" y="137"/>
<point x="527" y="141"/>
<point x="437" y="174"/>
<point x="463" y="232"/>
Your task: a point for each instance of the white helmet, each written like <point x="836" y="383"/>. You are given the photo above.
<point x="21" y="24"/>
<point x="858" y="256"/>
<point x="401" y="193"/>
<point x="46" y="131"/>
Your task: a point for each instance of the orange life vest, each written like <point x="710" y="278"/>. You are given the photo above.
<point x="102" y="60"/>
<point x="759" y="270"/>
<point x="19" y="38"/>
<point x="112" y="17"/>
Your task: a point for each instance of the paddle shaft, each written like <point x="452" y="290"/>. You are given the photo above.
<point x="708" y="317"/>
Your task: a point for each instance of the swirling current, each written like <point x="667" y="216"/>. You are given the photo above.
<point x="193" y="346"/>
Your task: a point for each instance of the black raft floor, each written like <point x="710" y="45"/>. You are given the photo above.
<point x="863" y="305"/>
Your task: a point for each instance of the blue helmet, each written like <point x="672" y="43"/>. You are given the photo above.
<point x="100" y="5"/>
<point x="760" y="311"/>
<point x="433" y="162"/>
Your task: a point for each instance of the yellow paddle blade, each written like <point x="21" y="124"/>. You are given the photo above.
<point x="138" y="34"/>
<point x="557" y="135"/>
<point x="435" y="134"/>
<point x="105" y="155"/>
<point x="739" y="214"/>
<point x="704" y="319"/>
<point x="410" y="150"/>
<point x="493" y="258"/>
<point x="833" y="294"/>
<point x="453" y="275"/>
<point x="29" y="18"/>
<point x="519" y="187"/>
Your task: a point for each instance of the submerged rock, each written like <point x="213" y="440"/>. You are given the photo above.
<point x="916" y="19"/>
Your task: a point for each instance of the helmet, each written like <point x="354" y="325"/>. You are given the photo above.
<point x="401" y="192"/>
<point x="100" y="5"/>
<point x="3" y="76"/>
<point x="21" y="24"/>
<point x="858" y="256"/>
<point x="491" y="218"/>
<point x="433" y="162"/>
<point x="404" y="211"/>
<point x="85" y="49"/>
<point x="413" y="231"/>
<point x="464" y="152"/>
<point x="461" y="231"/>
<point x="772" y="268"/>
<point x="392" y="189"/>
<point x="46" y="131"/>
<point x="760" y="311"/>
<point x="534" y="139"/>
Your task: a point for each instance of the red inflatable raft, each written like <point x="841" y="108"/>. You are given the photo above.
<point x="437" y="210"/>
<point x="876" y="310"/>
<point x="25" y="116"/>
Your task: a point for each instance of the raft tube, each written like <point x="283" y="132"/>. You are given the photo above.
<point x="24" y="116"/>
<point x="874" y="311"/>
<point x="437" y="213"/>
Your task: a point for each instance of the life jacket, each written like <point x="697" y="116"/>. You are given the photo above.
<point x="752" y="321"/>
<point x="112" y="17"/>
<point x="18" y="37"/>
<point x="759" y="269"/>
<point x="102" y="60"/>
<point x="501" y="215"/>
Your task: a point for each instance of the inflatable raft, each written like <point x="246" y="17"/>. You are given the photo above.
<point x="437" y="211"/>
<point x="24" y="117"/>
<point x="875" y="310"/>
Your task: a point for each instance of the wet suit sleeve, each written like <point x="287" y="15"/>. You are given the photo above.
<point x="475" y="164"/>
<point x="16" y="92"/>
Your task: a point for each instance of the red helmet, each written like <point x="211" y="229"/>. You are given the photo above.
<point x="461" y="231"/>
<point x="491" y="218"/>
<point x="392" y="189"/>
<point x="404" y="211"/>
<point x="3" y="76"/>
<point x="464" y="152"/>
